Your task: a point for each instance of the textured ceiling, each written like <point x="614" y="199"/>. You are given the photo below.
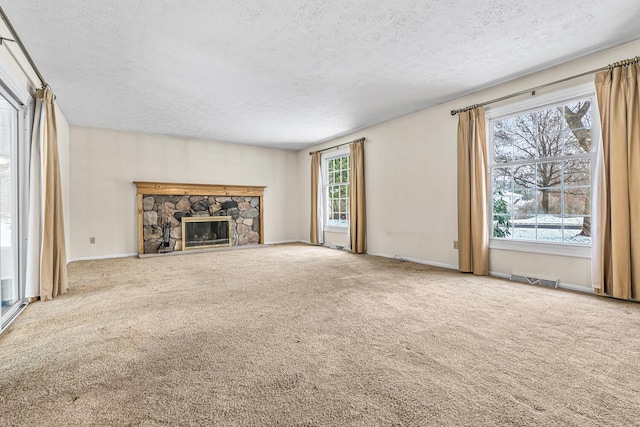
<point x="290" y="73"/>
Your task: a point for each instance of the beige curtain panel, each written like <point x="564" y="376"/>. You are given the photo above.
<point x="53" y="259"/>
<point x="34" y="209"/>
<point x="357" y="202"/>
<point x="315" y="237"/>
<point x="618" y="201"/>
<point x="473" y="239"/>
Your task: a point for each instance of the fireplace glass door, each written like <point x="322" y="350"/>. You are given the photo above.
<point x="206" y="232"/>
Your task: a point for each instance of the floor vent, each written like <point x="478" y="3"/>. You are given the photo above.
<point x="534" y="281"/>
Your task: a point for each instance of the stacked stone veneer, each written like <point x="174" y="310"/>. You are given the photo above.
<point x="244" y="213"/>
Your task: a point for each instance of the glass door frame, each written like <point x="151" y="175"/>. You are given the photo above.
<point x="22" y="101"/>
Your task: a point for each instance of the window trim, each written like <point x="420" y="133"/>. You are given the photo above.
<point x="325" y="183"/>
<point x="536" y="102"/>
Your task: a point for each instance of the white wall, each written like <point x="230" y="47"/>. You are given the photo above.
<point x="410" y="175"/>
<point x="104" y="164"/>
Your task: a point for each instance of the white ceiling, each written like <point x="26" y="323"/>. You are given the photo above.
<point x="291" y="73"/>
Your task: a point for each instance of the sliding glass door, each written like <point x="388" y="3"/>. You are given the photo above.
<point x="10" y="291"/>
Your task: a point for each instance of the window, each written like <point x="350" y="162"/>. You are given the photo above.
<point x="540" y="163"/>
<point x="336" y="191"/>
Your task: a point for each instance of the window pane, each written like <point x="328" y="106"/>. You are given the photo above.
<point x="577" y="201"/>
<point x="550" y="232"/>
<point x="525" y="149"/>
<point x="578" y="114"/>
<point x="503" y="140"/>
<point x="550" y="120"/>
<point x="525" y="143"/>
<point x="524" y="227"/>
<point x="524" y="201"/>
<point x="578" y="118"/>
<point x="502" y="202"/>
<point x="577" y="142"/>
<point x="345" y="176"/>
<point x="549" y="201"/>
<point x="502" y="226"/>
<point x="549" y="174"/>
<point x="524" y="176"/>
<point x="345" y="162"/>
<point x="577" y="172"/>
<point x="549" y="125"/>
<point x="577" y="230"/>
<point x="502" y="179"/>
<point x="331" y="192"/>
<point x="549" y="227"/>
<point x="550" y="144"/>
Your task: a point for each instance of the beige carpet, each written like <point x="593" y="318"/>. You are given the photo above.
<point x="296" y="335"/>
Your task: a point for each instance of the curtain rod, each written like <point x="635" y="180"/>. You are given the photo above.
<point x="337" y="146"/>
<point x="534" y="89"/>
<point x="17" y="40"/>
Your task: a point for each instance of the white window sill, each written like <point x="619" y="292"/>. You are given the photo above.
<point x="343" y="230"/>
<point x="541" y="248"/>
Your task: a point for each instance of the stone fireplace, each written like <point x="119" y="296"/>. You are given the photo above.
<point x="178" y="217"/>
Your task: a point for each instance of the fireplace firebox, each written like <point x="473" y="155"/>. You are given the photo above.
<point x="206" y="232"/>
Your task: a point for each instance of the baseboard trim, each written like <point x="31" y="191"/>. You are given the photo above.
<point x="282" y="242"/>
<point x="577" y="288"/>
<point x="91" y="258"/>
<point x="416" y="260"/>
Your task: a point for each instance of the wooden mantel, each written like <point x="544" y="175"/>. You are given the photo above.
<point x="172" y="188"/>
<point x="178" y="189"/>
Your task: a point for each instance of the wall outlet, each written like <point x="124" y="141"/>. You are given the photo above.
<point x="92" y="240"/>
<point x="455" y="244"/>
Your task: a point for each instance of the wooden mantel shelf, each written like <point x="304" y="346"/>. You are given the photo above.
<point x="177" y="189"/>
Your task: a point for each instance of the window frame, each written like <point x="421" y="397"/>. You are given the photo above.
<point x="534" y="103"/>
<point x="343" y="152"/>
